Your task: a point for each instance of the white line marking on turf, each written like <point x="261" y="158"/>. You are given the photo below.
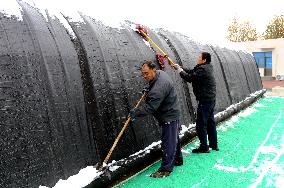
<point x="265" y="140"/>
<point x="242" y="169"/>
<point x="268" y="167"/>
<point x="197" y="184"/>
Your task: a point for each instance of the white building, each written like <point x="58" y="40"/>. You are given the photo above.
<point x="269" y="56"/>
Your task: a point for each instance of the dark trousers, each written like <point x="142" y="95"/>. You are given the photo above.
<point x="170" y="145"/>
<point x="205" y="124"/>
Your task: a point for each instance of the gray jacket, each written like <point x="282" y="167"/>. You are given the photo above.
<point x="161" y="100"/>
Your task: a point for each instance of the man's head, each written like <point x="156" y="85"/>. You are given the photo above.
<point x="203" y="58"/>
<point x="148" y="70"/>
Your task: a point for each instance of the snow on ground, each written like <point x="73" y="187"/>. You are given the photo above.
<point x="251" y="154"/>
<point x="82" y="179"/>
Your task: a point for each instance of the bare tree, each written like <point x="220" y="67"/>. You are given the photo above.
<point x="275" y="29"/>
<point x="241" y="31"/>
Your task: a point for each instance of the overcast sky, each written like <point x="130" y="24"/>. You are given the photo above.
<point x="199" y="19"/>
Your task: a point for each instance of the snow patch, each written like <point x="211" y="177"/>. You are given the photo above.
<point x="268" y="99"/>
<point x="247" y="112"/>
<point x="133" y="27"/>
<point x="83" y="178"/>
<point x="270" y="166"/>
<point x="185" y="129"/>
<point x="220" y="160"/>
<point x="55" y="13"/>
<point x="185" y="152"/>
<point x="230" y="123"/>
<point x="147" y="43"/>
<point x="65" y="23"/>
<point x="222" y="128"/>
<point x="234" y="118"/>
<point x="229" y="168"/>
<point x="268" y="150"/>
<point x="279" y="181"/>
<point x="147" y="148"/>
<point x="259" y="105"/>
<point x="73" y="16"/>
<point x="226" y="168"/>
<point x="113" y="168"/>
<point x="244" y="113"/>
<point x="42" y="6"/>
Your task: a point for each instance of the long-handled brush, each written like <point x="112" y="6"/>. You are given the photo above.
<point x="140" y="29"/>
<point x="102" y="166"/>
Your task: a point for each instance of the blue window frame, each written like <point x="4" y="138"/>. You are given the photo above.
<point x="263" y="59"/>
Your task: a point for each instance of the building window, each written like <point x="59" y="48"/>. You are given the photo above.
<point x="264" y="60"/>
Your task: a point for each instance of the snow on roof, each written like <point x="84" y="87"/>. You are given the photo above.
<point x="54" y="13"/>
<point x="12" y="8"/>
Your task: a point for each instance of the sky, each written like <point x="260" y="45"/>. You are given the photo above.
<point x="205" y="20"/>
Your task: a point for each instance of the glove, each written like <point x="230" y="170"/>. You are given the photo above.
<point x="132" y="114"/>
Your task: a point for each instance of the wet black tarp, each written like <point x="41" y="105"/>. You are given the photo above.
<point x="64" y="98"/>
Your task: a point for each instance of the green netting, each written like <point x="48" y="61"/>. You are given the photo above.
<point x="251" y="154"/>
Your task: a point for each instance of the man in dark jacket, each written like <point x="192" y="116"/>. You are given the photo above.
<point x="161" y="101"/>
<point x="204" y="89"/>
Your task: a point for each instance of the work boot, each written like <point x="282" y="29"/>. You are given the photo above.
<point x="216" y="148"/>
<point x="160" y="174"/>
<point x="200" y="150"/>
<point x="179" y="162"/>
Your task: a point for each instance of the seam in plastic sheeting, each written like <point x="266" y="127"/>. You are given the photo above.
<point x="179" y="61"/>
<point x="224" y="75"/>
<point x="243" y="66"/>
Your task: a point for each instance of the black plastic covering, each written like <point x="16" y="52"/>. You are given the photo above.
<point x="64" y="99"/>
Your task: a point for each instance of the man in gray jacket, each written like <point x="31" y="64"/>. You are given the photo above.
<point x="161" y="101"/>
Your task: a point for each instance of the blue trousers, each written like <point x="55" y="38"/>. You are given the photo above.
<point x="170" y="145"/>
<point x="205" y="124"/>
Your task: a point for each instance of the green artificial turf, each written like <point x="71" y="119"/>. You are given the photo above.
<point x="251" y="154"/>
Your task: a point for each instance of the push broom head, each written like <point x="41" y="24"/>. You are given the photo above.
<point x="140" y="29"/>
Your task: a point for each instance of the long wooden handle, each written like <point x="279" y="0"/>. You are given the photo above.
<point x="153" y="43"/>
<point x="122" y="130"/>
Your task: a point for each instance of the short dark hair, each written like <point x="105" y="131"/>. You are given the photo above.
<point x="150" y="64"/>
<point x="206" y="56"/>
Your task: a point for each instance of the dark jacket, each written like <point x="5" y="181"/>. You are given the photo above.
<point x="203" y="81"/>
<point x="161" y="101"/>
